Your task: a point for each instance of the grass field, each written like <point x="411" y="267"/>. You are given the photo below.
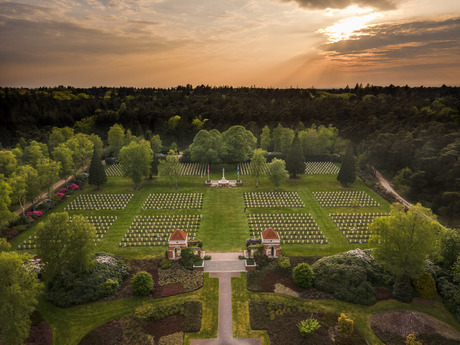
<point x="224" y="226"/>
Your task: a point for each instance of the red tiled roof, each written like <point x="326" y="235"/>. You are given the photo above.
<point x="270" y="234"/>
<point x="178" y="235"/>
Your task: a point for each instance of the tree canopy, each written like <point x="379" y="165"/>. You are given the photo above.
<point x="295" y="161"/>
<point x="206" y="147"/>
<point x="347" y="173"/>
<point x="19" y="290"/>
<point x="404" y="240"/>
<point x="238" y="144"/>
<point x="277" y="172"/>
<point x="258" y="161"/>
<point x="135" y="160"/>
<point x="97" y="175"/>
<point x="65" y="244"/>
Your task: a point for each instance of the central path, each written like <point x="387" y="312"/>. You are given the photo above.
<point x="225" y="266"/>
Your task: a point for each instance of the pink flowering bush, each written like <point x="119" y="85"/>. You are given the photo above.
<point x="35" y="214"/>
<point x="61" y="195"/>
<point x="63" y="190"/>
<point x="73" y="186"/>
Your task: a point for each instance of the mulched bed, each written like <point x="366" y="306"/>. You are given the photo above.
<point x="166" y="326"/>
<point x="392" y="327"/>
<point x="283" y="330"/>
<point x="111" y="333"/>
<point x="40" y="331"/>
<point x="265" y="280"/>
<point x="151" y="266"/>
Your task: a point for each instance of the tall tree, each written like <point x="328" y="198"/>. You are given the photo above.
<point x="258" y="161"/>
<point x="237" y="145"/>
<point x="294" y="160"/>
<point x="277" y="172"/>
<point x="32" y="181"/>
<point x="19" y="290"/>
<point x="97" y="176"/>
<point x="205" y="147"/>
<point x="135" y="160"/>
<point x="18" y="186"/>
<point x="404" y="240"/>
<point x="6" y="216"/>
<point x="59" y="136"/>
<point x="64" y="155"/>
<point x="82" y="148"/>
<point x="116" y="138"/>
<point x="8" y="162"/>
<point x="48" y="172"/>
<point x="266" y="139"/>
<point x="170" y="167"/>
<point x="65" y="244"/>
<point x="35" y="152"/>
<point x="98" y="145"/>
<point x="347" y="170"/>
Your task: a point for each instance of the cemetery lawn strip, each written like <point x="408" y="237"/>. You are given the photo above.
<point x="359" y="313"/>
<point x="209" y="297"/>
<point x="240" y="312"/>
<point x="70" y="325"/>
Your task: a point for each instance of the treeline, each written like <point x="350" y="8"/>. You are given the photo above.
<point x="410" y="133"/>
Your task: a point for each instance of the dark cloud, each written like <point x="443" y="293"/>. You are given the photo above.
<point x="402" y="41"/>
<point x="341" y="4"/>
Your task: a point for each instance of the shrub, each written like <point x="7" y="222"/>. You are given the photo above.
<point x="144" y="312"/>
<point x="111" y="286"/>
<point x="207" y="257"/>
<point x="142" y="283"/>
<point x="67" y="289"/>
<point x="450" y="296"/>
<point x="190" y="280"/>
<point x="350" y="278"/>
<point x="411" y="340"/>
<point x="165" y="264"/>
<point x="188" y="259"/>
<point x="308" y="327"/>
<point x="249" y="261"/>
<point x="346" y="326"/>
<point x="284" y="262"/>
<point x="192" y="316"/>
<point x="426" y="286"/>
<point x="303" y="275"/>
<point x="402" y="289"/>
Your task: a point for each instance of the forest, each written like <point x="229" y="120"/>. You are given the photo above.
<point x="409" y="134"/>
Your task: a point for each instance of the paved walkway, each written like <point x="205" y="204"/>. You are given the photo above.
<point x="225" y="266"/>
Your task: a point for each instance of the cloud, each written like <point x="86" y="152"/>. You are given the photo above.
<point x="341" y="4"/>
<point x="400" y="42"/>
<point x="30" y="41"/>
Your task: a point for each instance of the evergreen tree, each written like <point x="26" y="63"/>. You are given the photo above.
<point x="294" y="161"/>
<point x="97" y="175"/>
<point x="347" y="170"/>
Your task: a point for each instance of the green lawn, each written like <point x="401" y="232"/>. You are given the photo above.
<point x="224" y="226"/>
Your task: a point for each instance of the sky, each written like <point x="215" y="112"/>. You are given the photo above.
<point x="261" y="43"/>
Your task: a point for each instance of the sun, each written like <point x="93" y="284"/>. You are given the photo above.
<point x="349" y="27"/>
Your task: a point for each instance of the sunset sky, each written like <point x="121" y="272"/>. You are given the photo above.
<point x="264" y="43"/>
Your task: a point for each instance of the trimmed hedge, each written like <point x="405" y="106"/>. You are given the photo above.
<point x="192" y="316"/>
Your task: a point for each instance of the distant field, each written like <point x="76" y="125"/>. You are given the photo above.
<point x="224" y="224"/>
